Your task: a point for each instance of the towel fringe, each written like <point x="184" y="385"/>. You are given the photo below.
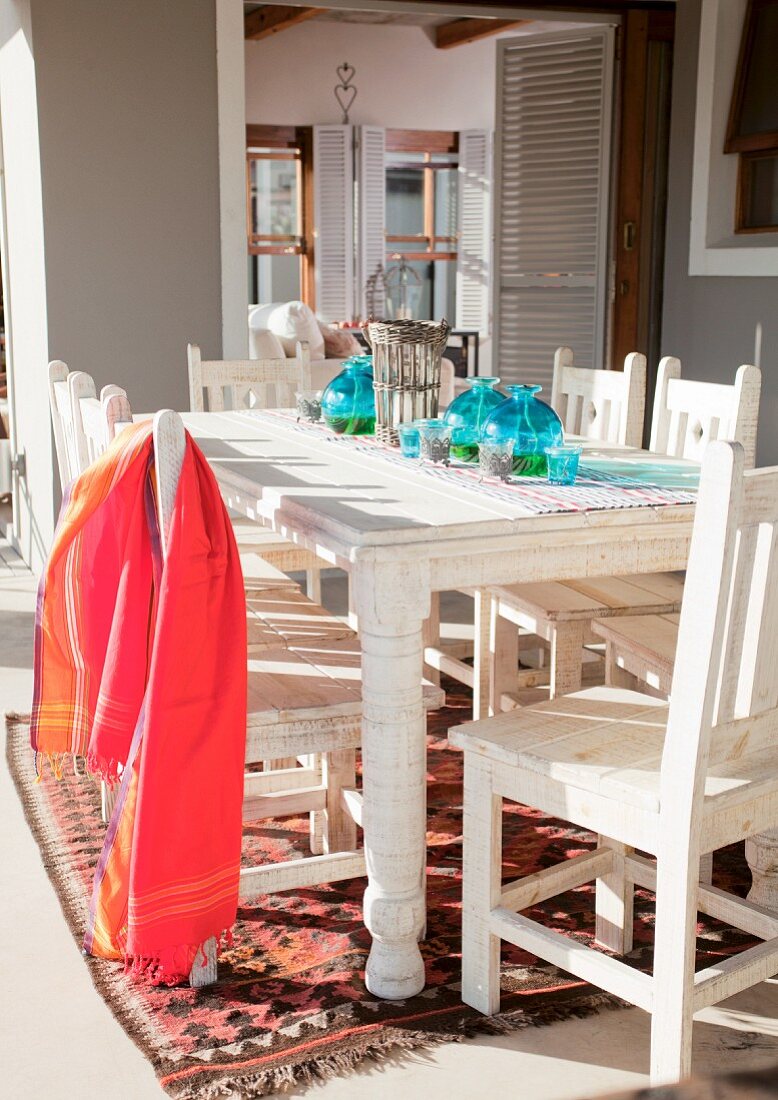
<point x="172" y="965"/>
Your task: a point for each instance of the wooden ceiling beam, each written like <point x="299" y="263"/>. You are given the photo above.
<point x="461" y="31"/>
<point x="272" y="18"/>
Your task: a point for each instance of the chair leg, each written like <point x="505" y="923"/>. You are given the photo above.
<point x="108" y="796"/>
<point x="615" y="676"/>
<point x="566" y="658"/>
<point x="614" y="902"/>
<point x="482" y="861"/>
<point x="674" y="958"/>
<point x="431" y="635"/>
<point x="706" y="868"/>
<point x="205" y="967"/>
<point x="503" y="658"/>
<point x="340" y="833"/>
<point x="482" y="652"/>
<point x="313" y="585"/>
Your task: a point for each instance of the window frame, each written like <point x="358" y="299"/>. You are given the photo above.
<point x="266" y="141"/>
<point x="745" y="163"/>
<point x="736" y="142"/>
<point x="429" y="143"/>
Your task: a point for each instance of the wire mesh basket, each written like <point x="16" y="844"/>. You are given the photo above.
<point x="406" y="371"/>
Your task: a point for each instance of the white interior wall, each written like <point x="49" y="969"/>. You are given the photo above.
<point x="402" y="80"/>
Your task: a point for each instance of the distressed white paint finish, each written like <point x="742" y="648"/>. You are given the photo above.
<point x="247" y="383"/>
<point x="609" y="405"/>
<point x="676" y="780"/>
<point x="688" y="415"/>
<point x="403" y="536"/>
<point x="257" y="384"/>
<point x="600" y="404"/>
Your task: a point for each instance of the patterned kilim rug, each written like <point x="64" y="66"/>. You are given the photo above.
<point x="291" y="1004"/>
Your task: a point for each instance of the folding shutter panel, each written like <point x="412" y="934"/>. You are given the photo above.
<point x="333" y="203"/>
<point x="371" y="207"/>
<point x="474" y="228"/>
<point x="552" y="168"/>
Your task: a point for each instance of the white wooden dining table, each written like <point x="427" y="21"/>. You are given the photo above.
<point x="403" y="534"/>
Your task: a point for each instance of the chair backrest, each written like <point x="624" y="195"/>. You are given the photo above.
<point x="724" y="704"/>
<point x="246" y="383"/>
<point x="97" y="420"/>
<point x="607" y="405"/>
<point x="66" y="389"/>
<point x="689" y="415"/>
<point x="169" y="448"/>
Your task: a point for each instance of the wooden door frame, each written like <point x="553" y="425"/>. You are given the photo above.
<point x="639" y="28"/>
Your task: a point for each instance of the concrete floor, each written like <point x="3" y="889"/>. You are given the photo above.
<point x="58" y="1039"/>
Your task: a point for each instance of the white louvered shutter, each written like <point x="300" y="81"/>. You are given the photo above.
<point x="552" y="169"/>
<point x="371" y="207"/>
<point x="474" y="230"/>
<point x="333" y="202"/>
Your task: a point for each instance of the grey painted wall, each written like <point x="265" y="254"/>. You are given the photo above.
<point x="713" y="324"/>
<point x="127" y="133"/>
<point x="127" y="104"/>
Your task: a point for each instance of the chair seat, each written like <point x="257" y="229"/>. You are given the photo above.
<point x="642" y="644"/>
<point x="603" y="597"/>
<point x="605" y="740"/>
<point x="259" y="575"/>
<point x="254" y="538"/>
<point x="313" y="679"/>
<point x="283" y="617"/>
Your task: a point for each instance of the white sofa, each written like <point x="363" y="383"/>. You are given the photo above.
<point x="271" y="337"/>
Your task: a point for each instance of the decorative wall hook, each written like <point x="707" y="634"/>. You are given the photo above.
<point x="345" y="92"/>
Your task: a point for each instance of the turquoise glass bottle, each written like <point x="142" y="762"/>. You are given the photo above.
<point x="467" y="413"/>
<point x="348" y="402"/>
<point x="531" y="423"/>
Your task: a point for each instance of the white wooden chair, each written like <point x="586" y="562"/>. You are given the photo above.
<point x="597" y="404"/>
<point x="304" y="702"/>
<point x="608" y="405"/>
<point x="687" y="415"/>
<point x="66" y="388"/>
<point x="256" y="384"/>
<point x="83" y="427"/>
<point x="675" y="780"/>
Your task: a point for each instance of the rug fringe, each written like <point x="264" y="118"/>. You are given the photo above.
<point x="268" y="1082"/>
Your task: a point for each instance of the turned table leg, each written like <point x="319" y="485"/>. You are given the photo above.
<point x="394" y="780"/>
<point x="762" y="856"/>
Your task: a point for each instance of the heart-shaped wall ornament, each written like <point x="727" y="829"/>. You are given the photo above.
<point x="345" y="92"/>
<point x="345" y="73"/>
<point x="345" y="96"/>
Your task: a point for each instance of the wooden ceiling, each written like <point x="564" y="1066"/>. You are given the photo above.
<point x="265" y="20"/>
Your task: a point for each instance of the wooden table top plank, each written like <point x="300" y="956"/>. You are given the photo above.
<point x="357" y="500"/>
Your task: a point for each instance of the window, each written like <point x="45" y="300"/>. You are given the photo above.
<point x="752" y="131"/>
<point x="421" y="219"/>
<point x="278" y="247"/>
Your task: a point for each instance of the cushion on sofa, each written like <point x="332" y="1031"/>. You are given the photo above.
<point x="295" y="321"/>
<point x="339" y="342"/>
<point x="264" y="344"/>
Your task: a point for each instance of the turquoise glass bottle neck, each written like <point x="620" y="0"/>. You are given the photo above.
<point x="523" y="390"/>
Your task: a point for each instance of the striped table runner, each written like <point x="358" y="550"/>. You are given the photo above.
<point x="602" y="482"/>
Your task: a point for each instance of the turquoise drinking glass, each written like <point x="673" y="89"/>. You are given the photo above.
<point x="410" y="440"/>
<point x="531" y="423"/>
<point x="467" y="413"/>
<point x="563" y="463"/>
<point x="348" y="402"/>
